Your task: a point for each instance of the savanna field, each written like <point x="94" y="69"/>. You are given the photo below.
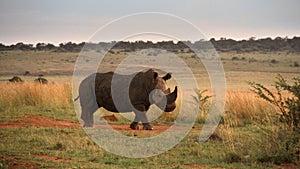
<point x="40" y="129"/>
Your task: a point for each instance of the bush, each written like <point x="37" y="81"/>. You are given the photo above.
<point x="274" y="61"/>
<point x="203" y="101"/>
<point x="289" y="107"/>
<point x="235" y="58"/>
<point x="16" y="79"/>
<point x="281" y="143"/>
<point x="41" y="80"/>
<point x="232" y="157"/>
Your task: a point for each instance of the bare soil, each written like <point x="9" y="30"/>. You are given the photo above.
<point x="14" y="162"/>
<point x="41" y="121"/>
<point x="38" y="121"/>
<point x="126" y="128"/>
<point x="200" y="166"/>
<point x="53" y="158"/>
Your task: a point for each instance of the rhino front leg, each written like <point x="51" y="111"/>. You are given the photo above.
<point x="147" y="126"/>
<point x="134" y="125"/>
<point x="140" y="116"/>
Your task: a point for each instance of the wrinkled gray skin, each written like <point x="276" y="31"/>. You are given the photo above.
<point x="145" y="88"/>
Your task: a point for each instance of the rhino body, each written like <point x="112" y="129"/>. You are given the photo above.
<point x="125" y="93"/>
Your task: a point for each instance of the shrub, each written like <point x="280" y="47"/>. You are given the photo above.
<point x="277" y="145"/>
<point x="252" y="60"/>
<point x="235" y="58"/>
<point x="283" y="139"/>
<point x="41" y="80"/>
<point x="289" y="107"/>
<point x="202" y="100"/>
<point x="232" y="157"/>
<point x="16" y="79"/>
<point x="274" y="61"/>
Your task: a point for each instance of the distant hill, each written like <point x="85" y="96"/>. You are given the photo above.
<point x="223" y="45"/>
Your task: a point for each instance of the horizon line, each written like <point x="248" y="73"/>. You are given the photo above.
<point x="154" y="41"/>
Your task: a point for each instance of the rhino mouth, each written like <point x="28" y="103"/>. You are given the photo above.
<point x="167" y="107"/>
<point x="169" y="104"/>
<point x="170" y="107"/>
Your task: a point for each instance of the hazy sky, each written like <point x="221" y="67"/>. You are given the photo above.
<point x="57" y="21"/>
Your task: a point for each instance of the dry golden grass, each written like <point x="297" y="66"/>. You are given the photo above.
<point x="243" y="107"/>
<point x="35" y="94"/>
<point x="239" y="104"/>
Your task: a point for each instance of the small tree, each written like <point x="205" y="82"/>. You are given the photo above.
<point x="202" y="100"/>
<point x="289" y="107"/>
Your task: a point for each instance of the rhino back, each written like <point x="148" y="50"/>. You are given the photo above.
<point x="128" y="90"/>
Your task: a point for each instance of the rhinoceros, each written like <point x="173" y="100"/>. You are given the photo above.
<point x="126" y="93"/>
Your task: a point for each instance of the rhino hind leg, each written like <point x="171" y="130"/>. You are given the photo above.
<point x="87" y="113"/>
<point x="88" y="120"/>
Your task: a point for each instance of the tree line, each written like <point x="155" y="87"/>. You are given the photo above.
<point x="223" y="45"/>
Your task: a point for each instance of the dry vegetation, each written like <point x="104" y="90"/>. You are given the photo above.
<point x="35" y="94"/>
<point x="249" y="132"/>
<point x="242" y="108"/>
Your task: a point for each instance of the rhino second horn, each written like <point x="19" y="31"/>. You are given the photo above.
<point x="168" y="91"/>
<point x="171" y="98"/>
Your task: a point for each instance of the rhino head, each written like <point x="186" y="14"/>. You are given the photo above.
<point x="161" y="95"/>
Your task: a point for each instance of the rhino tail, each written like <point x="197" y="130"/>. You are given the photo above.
<point x="76" y="98"/>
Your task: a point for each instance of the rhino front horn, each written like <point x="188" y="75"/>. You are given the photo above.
<point x="171" y="98"/>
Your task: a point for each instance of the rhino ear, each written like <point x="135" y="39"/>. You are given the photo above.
<point x="150" y="73"/>
<point x="167" y="76"/>
<point x="155" y="74"/>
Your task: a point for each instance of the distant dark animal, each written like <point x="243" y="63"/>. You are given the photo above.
<point x="41" y="80"/>
<point x="26" y="73"/>
<point x="109" y="90"/>
<point x="16" y="79"/>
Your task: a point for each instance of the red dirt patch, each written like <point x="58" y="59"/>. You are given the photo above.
<point x="194" y="166"/>
<point x="14" y="162"/>
<point x="38" y="121"/>
<point x="287" y="166"/>
<point x="53" y="158"/>
<point x="199" y="166"/>
<point x="126" y="128"/>
<point x="109" y="118"/>
<point x="41" y="121"/>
